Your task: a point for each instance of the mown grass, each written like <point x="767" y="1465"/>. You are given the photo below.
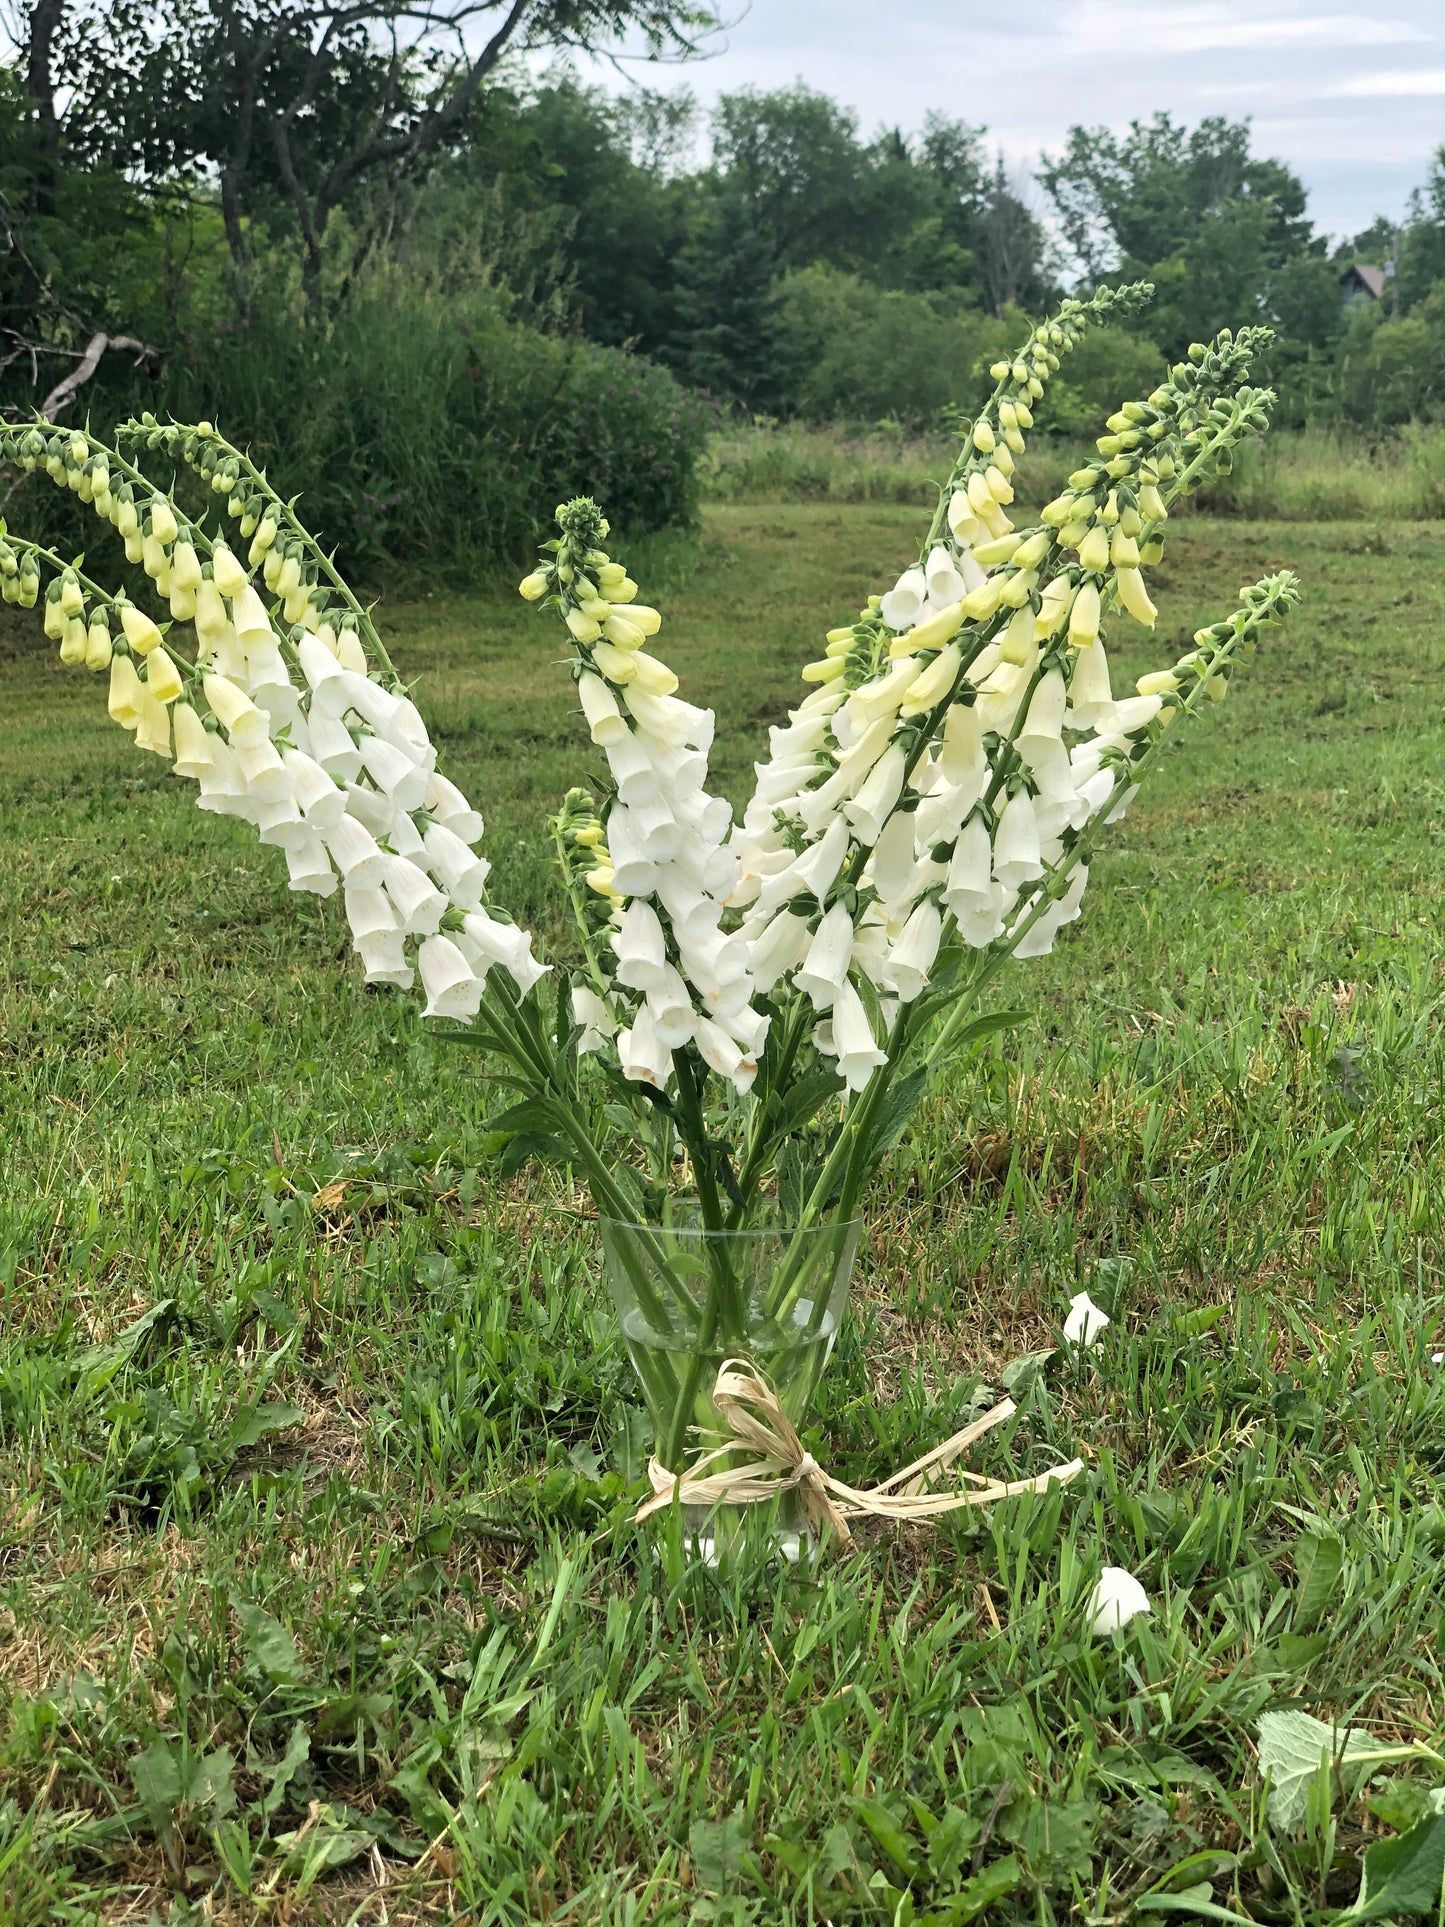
<point x="1311" y="475"/>
<point x="317" y="1593"/>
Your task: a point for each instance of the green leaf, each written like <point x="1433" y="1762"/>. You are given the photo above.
<point x="253" y="1422"/>
<point x="983" y="1890"/>
<point x="804" y="1100"/>
<point x="532" y="1114"/>
<point x="1405" y="1875"/>
<point x="156" y="1777"/>
<point x="1020" y="1375"/>
<point x="887" y="1833"/>
<point x="1293" y="1746"/>
<point x="298" y="1751"/>
<point x="1198" y="1901"/>
<point x="1319" y="1563"/>
<point x="719" y="1850"/>
<point x="529" y="1145"/>
<point x="892" y="1120"/>
<point x="270" y="1646"/>
<point x="211" y="1783"/>
<point x="988" y="1025"/>
<point x="1194" y="1324"/>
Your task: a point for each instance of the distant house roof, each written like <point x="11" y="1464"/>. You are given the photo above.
<point x="1362" y="278"/>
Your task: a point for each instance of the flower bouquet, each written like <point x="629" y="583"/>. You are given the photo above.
<point x="751" y="1010"/>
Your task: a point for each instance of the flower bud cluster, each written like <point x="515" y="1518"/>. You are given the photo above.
<point x="285" y="727"/>
<point x="662" y="860"/>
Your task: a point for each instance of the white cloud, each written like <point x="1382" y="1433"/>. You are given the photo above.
<point x="1424" y="82"/>
<point x="1224" y="28"/>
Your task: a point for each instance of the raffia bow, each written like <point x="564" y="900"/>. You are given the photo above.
<point x="754" y="1420"/>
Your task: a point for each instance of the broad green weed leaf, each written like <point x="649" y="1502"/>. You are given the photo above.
<point x="1292" y="1748"/>
<point x="719" y="1850"/>
<point x="1405" y="1875"/>
<point x="1319" y="1563"/>
<point x="270" y="1645"/>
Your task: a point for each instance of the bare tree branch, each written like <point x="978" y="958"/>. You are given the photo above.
<point x="64" y="392"/>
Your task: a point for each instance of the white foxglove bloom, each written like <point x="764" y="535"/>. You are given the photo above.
<point x="320" y="801"/>
<point x="318" y="665"/>
<point x="263" y="772"/>
<point x="332" y="745"/>
<point x="983" y="926"/>
<point x="449" y="807"/>
<point x="264" y="665"/>
<point x="1045" y="718"/>
<point x="893" y="855"/>
<point x="1132" y="714"/>
<point x="641" y="1054"/>
<point x="871" y="807"/>
<point x="824" y="970"/>
<point x="393" y="771"/>
<point x="309" y="866"/>
<point x="961" y="758"/>
<point x="858" y="1053"/>
<point x="419" y="904"/>
<point x="604" y="719"/>
<point x="675" y="721"/>
<point x="371" y="913"/>
<point x="634" y="871"/>
<point x="1117" y="814"/>
<point x="721" y="1053"/>
<point x="933" y="683"/>
<point x="904" y="603"/>
<point x="655" y="825"/>
<point x="817" y="868"/>
<point x="885" y="693"/>
<point x="632" y="771"/>
<point x="222" y="789"/>
<point x="1091" y="701"/>
<point x="599" y="1026"/>
<point x="1116" y="1600"/>
<point x="375" y="812"/>
<point x="670" y="1006"/>
<point x="354" y="852"/>
<point x="452" y="988"/>
<point x="780" y="944"/>
<point x="461" y="874"/>
<point x="970" y="872"/>
<point x="1016" y="843"/>
<point x="641" y="948"/>
<point x="1086" y="1322"/>
<point x="945" y="583"/>
<point x="906" y="968"/>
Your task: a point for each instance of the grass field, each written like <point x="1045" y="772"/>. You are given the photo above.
<point x="318" y="1598"/>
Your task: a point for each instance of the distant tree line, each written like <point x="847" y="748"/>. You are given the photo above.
<point x="284" y="206"/>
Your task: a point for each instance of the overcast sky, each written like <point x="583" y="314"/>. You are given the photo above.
<point x="1351" y="93"/>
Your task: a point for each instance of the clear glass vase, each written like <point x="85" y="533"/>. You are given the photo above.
<point x="687" y="1299"/>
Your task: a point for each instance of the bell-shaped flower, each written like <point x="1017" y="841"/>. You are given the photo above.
<point x="906" y="967"/>
<point x="1086" y="1322"/>
<point x="309" y="866"/>
<point x="858" y="1052"/>
<point x="193" y="742"/>
<point x="634" y="871"/>
<point x="870" y="808"/>
<point x="263" y="772"/>
<point x="970" y="871"/>
<point x="279" y="821"/>
<point x="354" y="852"/>
<point x="393" y="772"/>
<point x="153" y="730"/>
<point x="251" y="619"/>
<point x="452" y="987"/>
<point x="824" y="969"/>
<point x="1134" y="713"/>
<point x="723" y="1054"/>
<point x="983" y="926"/>
<point x="641" y="947"/>
<point x="893" y="856"/>
<point x="125" y="692"/>
<point x="163" y="679"/>
<point x="332" y="745"/>
<point x="419" y="904"/>
<point x="461" y="874"/>
<point x="222" y="790"/>
<point x="604" y="719"/>
<point x="449" y="807"/>
<point x="228" y="570"/>
<point x="905" y="601"/>
<point x="210" y="618"/>
<point x="319" y="799"/>
<point x="676" y="722"/>
<point x="885" y="693"/>
<point x="781" y="943"/>
<point x="644" y="1058"/>
<point x="817" y="868"/>
<point x="654" y="825"/>
<point x="1116" y="1600"/>
<point x="945" y="582"/>
<point x="1091" y="700"/>
<point x="1016" y="843"/>
<point x="933" y="683"/>
<point x="242" y="721"/>
<point x="1044" y="721"/>
<point x="673" y="1017"/>
<point x="598" y="1024"/>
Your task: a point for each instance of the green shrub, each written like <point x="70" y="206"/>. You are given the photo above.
<point x="426" y="430"/>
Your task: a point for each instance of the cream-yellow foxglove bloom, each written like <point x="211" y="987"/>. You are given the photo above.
<point x="97" y="646"/>
<point x="1124" y="551"/>
<point x="622" y="633"/>
<point x="125" y="692"/>
<point x="1094" y="549"/>
<point x="617" y="665"/>
<point x="1162" y="682"/>
<point x="651" y="675"/>
<point x="163" y="521"/>
<point x="1054" y="606"/>
<point x="1084" y="617"/>
<point x="193" y="742"/>
<point x="531" y="588"/>
<point x="72" y="598"/>
<point x="583" y="628"/>
<point x="1129" y="586"/>
<point x="980" y="603"/>
<point x="185" y="567"/>
<point x="934" y="683"/>
<point x="163" y="679"/>
<point x="230" y="577"/>
<point x="242" y="721"/>
<point x="140" y="632"/>
<point x="1151" y="504"/>
<point x="72" y="643"/>
<point x="153" y="730"/>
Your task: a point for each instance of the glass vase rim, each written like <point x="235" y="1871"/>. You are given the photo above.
<point x="780" y="1229"/>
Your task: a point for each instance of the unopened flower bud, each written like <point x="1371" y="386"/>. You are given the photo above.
<point x="532" y="587"/>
